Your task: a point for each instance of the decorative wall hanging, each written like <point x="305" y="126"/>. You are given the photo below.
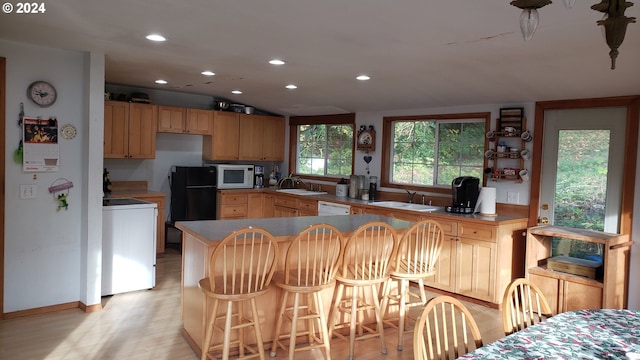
<point x="41" y="151"/>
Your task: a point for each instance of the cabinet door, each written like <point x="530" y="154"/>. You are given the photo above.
<point x="171" y="119"/>
<point x="445" y="267"/>
<point x="142" y="131"/>
<point x="223" y="144"/>
<point x="267" y="206"/>
<point x="252" y="137"/>
<point x="254" y="208"/>
<point x="199" y="121"/>
<point x="116" y="134"/>
<point x="476" y="269"/>
<point x="281" y="211"/>
<point x="550" y="288"/>
<point x="273" y="132"/>
<point x="577" y="296"/>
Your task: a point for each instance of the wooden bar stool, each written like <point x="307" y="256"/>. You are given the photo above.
<point x="415" y="259"/>
<point x="364" y="266"/>
<point x="240" y="269"/>
<point x="310" y="266"/>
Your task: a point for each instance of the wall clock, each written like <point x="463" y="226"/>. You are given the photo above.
<point x="366" y="140"/>
<point x="42" y="93"/>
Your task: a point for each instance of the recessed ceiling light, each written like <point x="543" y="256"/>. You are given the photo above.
<point x="161" y="81"/>
<point x="291" y="86"/>
<point x="156" y="37"/>
<point x="237" y="92"/>
<point x="208" y="73"/>
<point x="363" y="77"/>
<point x="276" y="62"/>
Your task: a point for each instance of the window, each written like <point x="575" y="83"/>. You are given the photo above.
<point x="434" y="150"/>
<point x="323" y="145"/>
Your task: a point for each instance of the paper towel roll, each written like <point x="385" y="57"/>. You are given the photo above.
<point x="486" y="201"/>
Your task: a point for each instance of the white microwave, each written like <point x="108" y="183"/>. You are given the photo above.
<point x="233" y="176"/>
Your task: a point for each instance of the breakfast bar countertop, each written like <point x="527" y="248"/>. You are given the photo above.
<point x="216" y="230"/>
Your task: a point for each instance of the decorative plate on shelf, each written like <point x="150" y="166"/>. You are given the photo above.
<point x="68" y="131"/>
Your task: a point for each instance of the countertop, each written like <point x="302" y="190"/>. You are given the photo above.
<point x="499" y="219"/>
<point x="216" y="230"/>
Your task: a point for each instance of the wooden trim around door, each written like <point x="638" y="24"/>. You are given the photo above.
<point x="632" y="103"/>
<point x="3" y="108"/>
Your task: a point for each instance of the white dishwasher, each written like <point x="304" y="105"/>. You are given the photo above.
<point x="330" y="208"/>
<point x="128" y="245"/>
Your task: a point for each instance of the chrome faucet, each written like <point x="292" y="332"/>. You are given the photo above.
<point x="410" y="195"/>
<point x="422" y="199"/>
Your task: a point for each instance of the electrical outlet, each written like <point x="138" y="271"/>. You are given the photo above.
<point x="513" y="197"/>
<point x="28" y="191"/>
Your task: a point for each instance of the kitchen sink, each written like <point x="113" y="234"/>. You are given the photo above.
<point x="301" y="192"/>
<point x="405" y="206"/>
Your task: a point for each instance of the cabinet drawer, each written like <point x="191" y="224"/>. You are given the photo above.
<point x="477" y="231"/>
<point x="233" y="211"/>
<point x="308" y="205"/>
<point x="286" y="202"/>
<point x="449" y="227"/>
<point x="235" y="199"/>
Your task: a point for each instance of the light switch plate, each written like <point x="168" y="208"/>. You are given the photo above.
<point x="513" y="197"/>
<point x="28" y="191"/>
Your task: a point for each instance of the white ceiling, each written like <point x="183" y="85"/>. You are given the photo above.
<point x="419" y="53"/>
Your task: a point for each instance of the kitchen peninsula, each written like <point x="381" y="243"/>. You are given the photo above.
<point x="201" y="237"/>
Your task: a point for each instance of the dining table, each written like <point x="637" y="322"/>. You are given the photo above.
<point x="579" y="334"/>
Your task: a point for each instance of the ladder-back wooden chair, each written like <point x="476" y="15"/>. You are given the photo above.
<point x="364" y="266"/>
<point x="523" y="305"/>
<point x="415" y="259"/>
<point x="310" y="266"/>
<point x="445" y="330"/>
<point x="240" y="269"/>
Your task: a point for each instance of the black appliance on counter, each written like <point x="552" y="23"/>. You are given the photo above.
<point x="465" y="191"/>
<point x="193" y="193"/>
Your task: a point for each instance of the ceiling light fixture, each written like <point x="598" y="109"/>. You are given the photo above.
<point x="156" y="37"/>
<point x="291" y="87"/>
<point x="237" y="92"/>
<point x="614" y="22"/>
<point x="208" y="73"/>
<point x="161" y="81"/>
<point x="363" y="77"/>
<point x="276" y="62"/>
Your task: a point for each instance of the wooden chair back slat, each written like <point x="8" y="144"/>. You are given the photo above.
<point x="523" y="305"/>
<point x="243" y="262"/>
<point x="368" y="252"/>
<point x="312" y="257"/>
<point x="420" y="248"/>
<point x="444" y="330"/>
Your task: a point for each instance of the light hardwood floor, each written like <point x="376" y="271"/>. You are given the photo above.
<point x="147" y="325"/>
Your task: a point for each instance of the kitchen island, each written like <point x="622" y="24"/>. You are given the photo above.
<point x="200" y="238"/>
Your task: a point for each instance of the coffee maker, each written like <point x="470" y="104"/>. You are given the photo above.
<point x="258" y="177"/>
<point x="465" y="190"/>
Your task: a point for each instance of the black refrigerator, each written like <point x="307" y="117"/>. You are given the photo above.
<point x="193" y="193"/>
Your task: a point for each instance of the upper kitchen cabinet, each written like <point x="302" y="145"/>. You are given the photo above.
<point x="179" y="120"/>
<point x="129" y="130"/>
<point x="262" y="138"/>
<point x="171" y="119"/>
<point x="223" y="143"/>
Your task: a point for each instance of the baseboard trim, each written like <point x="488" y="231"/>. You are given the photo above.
<point x="42" y="310"/>
<point x="90" y="308"/>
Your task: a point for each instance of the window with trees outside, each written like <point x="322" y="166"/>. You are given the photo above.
<point x="324" y="145"/>
<point x="434" y="150"/>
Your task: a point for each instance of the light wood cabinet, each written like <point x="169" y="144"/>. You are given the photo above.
<point x="254" y="206"/>
<point x="232" y="205"/>
<point x="566" y="292"/>
<point x="171" y="119"/>
<point x="129" y="130"/>
<point x="307" y="207"/>
<point x="223" y="143"/>
<point x="285" y="206"/>
<point x="478" y="260"/>
<point x="238" y="136"/>
<point x="199" y="122"/>
<point x="179" y="120"/>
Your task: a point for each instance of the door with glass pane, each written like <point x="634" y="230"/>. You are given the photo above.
<point x="582" y="168"/>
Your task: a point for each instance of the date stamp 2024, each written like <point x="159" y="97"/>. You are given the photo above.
<point x="24" y="8"/>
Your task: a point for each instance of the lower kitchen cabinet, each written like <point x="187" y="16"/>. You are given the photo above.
<point x="478" y="260"/>
<point x="255" y="206"/>
<point x="285" y="206"/>
<point x="232" y="205"/>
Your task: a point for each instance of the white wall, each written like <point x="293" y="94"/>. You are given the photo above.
<point x="43" y="247"/>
